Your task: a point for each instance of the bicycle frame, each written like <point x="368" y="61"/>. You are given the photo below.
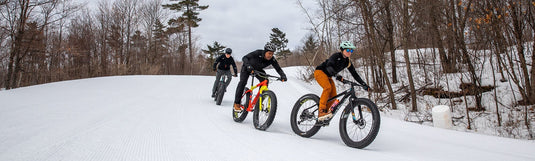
<point x="252" y="102"/>
<point x="224" y="79"/>
<point x="350" y="93"/>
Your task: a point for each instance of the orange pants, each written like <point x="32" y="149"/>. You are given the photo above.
<point x="329" y="90"/>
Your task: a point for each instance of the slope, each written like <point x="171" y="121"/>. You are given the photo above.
<point x="174" y="118"/>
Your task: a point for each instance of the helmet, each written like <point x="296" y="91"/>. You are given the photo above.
<point x="228" y="51"/>
<point x="269" y="46"/>
<point x="347" y="45"/>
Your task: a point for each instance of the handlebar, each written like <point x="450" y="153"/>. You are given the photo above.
<point x="264" y="75"/>
<point x="350" y="82"/>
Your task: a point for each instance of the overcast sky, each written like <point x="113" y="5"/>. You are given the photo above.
<point x="245" y="25"/>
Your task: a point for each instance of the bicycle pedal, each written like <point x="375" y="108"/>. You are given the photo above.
<point x="322" y="123"/>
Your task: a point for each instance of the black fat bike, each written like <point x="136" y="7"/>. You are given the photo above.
<point x="359" y="122"/>
<point x="221" y="89"/>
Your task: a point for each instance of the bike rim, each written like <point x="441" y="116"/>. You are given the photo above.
<point x="265" y="109"/>
<point x="359" y="128"/>
<point x="307" y="115"/>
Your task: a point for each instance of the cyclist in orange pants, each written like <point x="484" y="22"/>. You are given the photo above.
<point x="323" y="73"/>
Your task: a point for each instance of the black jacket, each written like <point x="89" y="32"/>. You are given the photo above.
<point x="225" y="63"/>
<point x="258" y="62"/>
<point x="337" y="63"/>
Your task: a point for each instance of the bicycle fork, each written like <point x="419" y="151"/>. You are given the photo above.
<point x="262" y="89"/>
<point x="360" y="120"/>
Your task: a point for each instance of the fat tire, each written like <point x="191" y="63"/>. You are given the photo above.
<point x="373" y="126"/>
<point x="220" y="93"/>
<point x="271" y="112"/>
<point x="295" y="115"/>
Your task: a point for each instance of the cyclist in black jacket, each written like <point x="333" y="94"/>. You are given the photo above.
<point x="256" y="60"/>
<point x="330" y="68"/>
<point x="224" y="61"/>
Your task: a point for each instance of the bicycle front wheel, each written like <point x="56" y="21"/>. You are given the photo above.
<point x="265" y="110"/>
<point x="240" y="116"/>
<point x="304" y="116"/>
<point x="356" y="131"/>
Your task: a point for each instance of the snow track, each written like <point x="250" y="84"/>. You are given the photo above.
<point x="173" y="118"/>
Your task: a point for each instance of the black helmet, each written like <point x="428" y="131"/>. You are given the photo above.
<point x="269" y="46"/>
<point x="228" y="51"/>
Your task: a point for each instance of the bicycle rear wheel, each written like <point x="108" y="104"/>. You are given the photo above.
<point x="220" y="93"/>
<point x="359" y="132"/>
<point x="265" y="110"/>
<point x="240" y="116"/>
<point x="304" y="116"/>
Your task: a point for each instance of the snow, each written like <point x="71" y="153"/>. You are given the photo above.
<point x="173" y="118"/>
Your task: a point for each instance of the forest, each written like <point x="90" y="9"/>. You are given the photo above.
<point x="408" y="49"/>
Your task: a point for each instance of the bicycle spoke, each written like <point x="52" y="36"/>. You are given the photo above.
<point x="360" y="128"/>
<point x="307" y="119"/>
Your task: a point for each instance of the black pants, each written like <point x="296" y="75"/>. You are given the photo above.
<point x="244" y="76"/>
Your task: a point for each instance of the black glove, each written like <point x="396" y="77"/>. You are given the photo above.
<point x="283" y="78"/>
<point x="214" y="69"/>
<point x="249" y="68"/>
<point x="366" y="87"/>
<point x="338" y="77"/>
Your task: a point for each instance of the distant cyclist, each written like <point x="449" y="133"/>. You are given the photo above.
<point x="224" y="61"/>
<point x="336" y="63"/>
<point x="256" y="60"/>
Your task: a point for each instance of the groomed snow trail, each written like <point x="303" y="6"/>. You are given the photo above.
<point x="173" y="118"/>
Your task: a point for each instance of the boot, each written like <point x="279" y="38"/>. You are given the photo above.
<point x="237" y="107"/>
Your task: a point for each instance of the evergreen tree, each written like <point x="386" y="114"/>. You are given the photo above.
<point x="190" y="11"/>
<point x="212" y="52"/>
<point x="160" y="39"/>
<point x="278" y="38"/>
<point x="309" y="49"/>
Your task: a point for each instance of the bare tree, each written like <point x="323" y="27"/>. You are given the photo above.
<point x="405" y="40"/>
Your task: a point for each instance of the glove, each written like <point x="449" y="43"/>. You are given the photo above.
<point x="249" y="68"/>
<point x="338" y="77"/>
<point x="283" y="78"/>
<point x="366" y="87"/>
<point x="235" y="75"/>
<point x="214" y="69"/>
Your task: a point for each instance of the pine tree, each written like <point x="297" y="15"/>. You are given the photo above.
<point x="278" y="38"/>
<point x="190" y="11"/>
<point x="212" y="52"/>
<point x="310" y="49"/>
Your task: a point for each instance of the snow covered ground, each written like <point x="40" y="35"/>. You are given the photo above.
<point x="174" y="118"/>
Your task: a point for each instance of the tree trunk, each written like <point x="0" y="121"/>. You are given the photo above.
<point x="444" y="61"/>
<point x="532" y="93"/>
<point x="10" y="68"/>
<point x="518" y="33"/>
<point x="190" y="49"/>
<point x="390" y="39"/>
<point x="498" y="116"/>
<point x="405" y="41"/>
